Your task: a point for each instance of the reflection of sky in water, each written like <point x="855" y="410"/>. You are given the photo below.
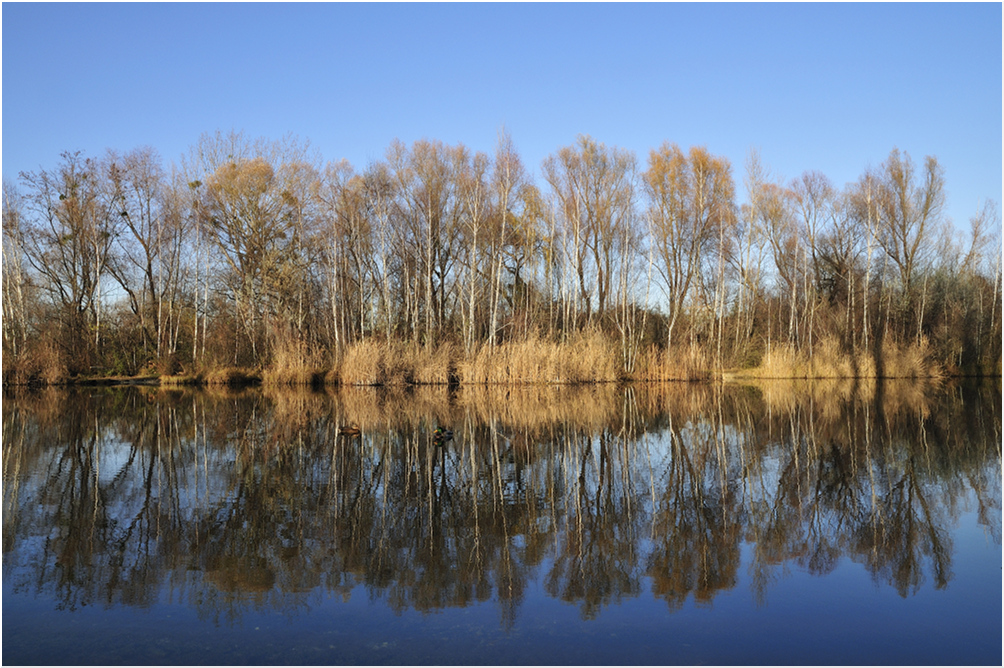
<point x="805" y="619"/>
<point x="300" y="598"/>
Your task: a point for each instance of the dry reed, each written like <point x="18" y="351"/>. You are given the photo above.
<point x="431" y="367"/>
<point x="588" y="357"/>
<point x="41" y="363"/>
<point x="293" y="364"/>
<point x="374" y="362"/>
<point x="362" y="364"/>
<point x="828" y="360"/>
<point x="182" y="379"/>
<point x="232" y="376"/>
<point x="690" y="362"/>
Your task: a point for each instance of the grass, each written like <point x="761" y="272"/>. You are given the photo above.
<point x="376" y="362"/>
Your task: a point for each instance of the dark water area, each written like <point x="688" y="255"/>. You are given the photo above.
<point x="601" y="525"/>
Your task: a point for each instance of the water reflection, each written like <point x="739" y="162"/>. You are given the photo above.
<point x="230" y="502"/>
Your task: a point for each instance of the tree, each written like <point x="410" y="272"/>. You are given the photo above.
<point x="593" y="188"/>
<point x="908" y="212"/>
<point x="428" y="212"/>
<point x="299" y="287"/>
<point x="747" y="255"/>
<point x="68" y="243"/>
<point x="15" y="278"/>
<point x="812" y="199"/>
<point x="524" y="249"/>
<point x="254" y="220"/>
<point x="508" y="181"/>
<point x="473" y="190"/>
<point x="148" y="265"/>
<point x="690" y="199"/>
<point x="348" y="242"/>
<point x="778" y="223"/>
<point x="379" y="189"/>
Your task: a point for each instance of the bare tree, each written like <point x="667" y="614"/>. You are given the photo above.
<point x="347" y="247"/>
<point x="594" y="190"/>
<point x="473" y="189"/>
<point x="813" y="199"/>
<point x="68" y="244"/>
<point x="782" y="235"/>
<point x="690" y="199"/>
<point x="148" y="265"/>
<point x="750" y="248"/>
<point x="908" y="211"/>
<point x="251" y="215"/>
<point x="15" y="277"/>
<point x="508" y="180"/>
<point x="379" y="188"/>
<point x="428" y="214"/>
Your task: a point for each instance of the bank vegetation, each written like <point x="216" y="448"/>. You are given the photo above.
<point x="252" y="260"/>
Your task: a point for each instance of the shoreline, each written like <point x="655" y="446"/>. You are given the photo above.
<point x="256" y="379"/>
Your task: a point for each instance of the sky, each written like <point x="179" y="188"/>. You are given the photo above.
<point x="826" y="87"/>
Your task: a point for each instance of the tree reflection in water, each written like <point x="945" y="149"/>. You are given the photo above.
<point x="238" y="501"/>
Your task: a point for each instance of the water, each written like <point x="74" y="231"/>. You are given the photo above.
<point x="681" y="524"/>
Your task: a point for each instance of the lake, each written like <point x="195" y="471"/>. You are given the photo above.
<point x="824" y="523"/>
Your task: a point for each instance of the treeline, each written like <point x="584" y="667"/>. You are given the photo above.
<point x="439" y="263"/>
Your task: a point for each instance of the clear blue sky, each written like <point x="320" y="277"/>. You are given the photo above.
<point x="827" y="87"/>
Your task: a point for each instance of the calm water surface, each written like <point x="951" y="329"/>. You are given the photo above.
<point x="681" y="524"/>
